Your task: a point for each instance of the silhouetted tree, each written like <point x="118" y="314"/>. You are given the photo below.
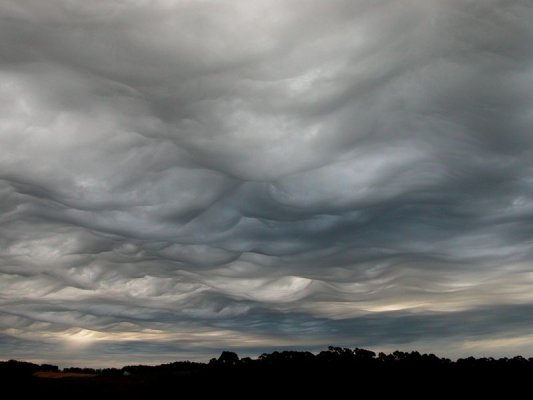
<point x="363" y="355"/>
<point x="49" y="368"/>
<point x="228" y="358"/>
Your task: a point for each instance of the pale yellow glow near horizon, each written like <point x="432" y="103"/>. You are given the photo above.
<point x="80" y="338"/>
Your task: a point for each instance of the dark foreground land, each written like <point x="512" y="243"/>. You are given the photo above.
<point x="336" y="372"/>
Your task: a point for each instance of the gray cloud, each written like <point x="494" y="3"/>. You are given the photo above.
<point x="178" y="177"/>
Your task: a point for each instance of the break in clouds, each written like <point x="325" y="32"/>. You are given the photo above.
<point x="181" y="177"/>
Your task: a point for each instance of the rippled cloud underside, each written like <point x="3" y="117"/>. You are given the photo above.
<point x="181" y="177"/>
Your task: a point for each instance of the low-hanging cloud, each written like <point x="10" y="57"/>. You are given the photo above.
<point x="178" y="177"/>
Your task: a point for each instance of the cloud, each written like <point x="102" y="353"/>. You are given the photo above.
<point x="178" y="177"/>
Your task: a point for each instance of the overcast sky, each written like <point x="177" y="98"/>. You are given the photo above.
<point x="183" y="177"/>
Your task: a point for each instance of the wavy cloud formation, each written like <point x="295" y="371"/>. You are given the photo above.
<point x="178" y="177"/>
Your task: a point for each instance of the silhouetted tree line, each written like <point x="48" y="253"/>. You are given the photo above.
<point x="334" y="357"/>
<point x="333" y="369"/>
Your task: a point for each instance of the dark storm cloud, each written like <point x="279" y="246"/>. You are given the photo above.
<point x="182" y="176"/>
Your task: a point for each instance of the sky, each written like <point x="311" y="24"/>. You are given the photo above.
<point x="182" y="177"/>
